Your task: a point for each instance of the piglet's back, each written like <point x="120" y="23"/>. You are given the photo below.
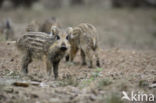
<point x="35" y="41"/>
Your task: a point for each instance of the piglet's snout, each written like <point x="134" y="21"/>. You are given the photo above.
<point x="63" y="47"/>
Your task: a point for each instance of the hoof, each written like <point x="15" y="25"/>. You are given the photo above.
<point x="56" y="77"/>
<point x="98" y="64"/>
<point x="84" y="63"/>
<point x="70" y="63"/>
<point x="90" y="67"/>
<point x="24" y="72"/>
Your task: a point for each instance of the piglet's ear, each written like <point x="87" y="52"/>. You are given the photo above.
<point x="77" y="31"/>
<point x="54" y="30"/>
<point x="70" y="30"/>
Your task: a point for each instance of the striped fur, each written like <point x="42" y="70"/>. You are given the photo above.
<point x="51" y="49"/>
<point x="35" y="41"/>
<point x="85" y="40"/>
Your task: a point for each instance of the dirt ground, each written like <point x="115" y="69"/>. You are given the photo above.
<point x="127" y="54"/>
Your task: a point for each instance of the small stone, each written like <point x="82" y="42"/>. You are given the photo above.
<point x="12" y="60"/>
<point x="8" y="89"/>
<point x="152" y="86"/>
<point x="34" y="96"/>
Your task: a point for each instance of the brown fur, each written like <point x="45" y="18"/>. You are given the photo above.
<point x="50" y="48"/>
<point x="33" y="26"/>
<point x="85" y="40"/>
<point x="46" y="26"/>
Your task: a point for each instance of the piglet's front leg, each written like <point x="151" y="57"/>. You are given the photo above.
<point x="55" y="68"/>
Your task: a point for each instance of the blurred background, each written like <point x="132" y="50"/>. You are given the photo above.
<point x="128" y="24"/>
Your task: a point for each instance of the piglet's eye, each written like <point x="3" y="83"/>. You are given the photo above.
<point x="67" y="37"/>
<point x="57" y="37"/>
